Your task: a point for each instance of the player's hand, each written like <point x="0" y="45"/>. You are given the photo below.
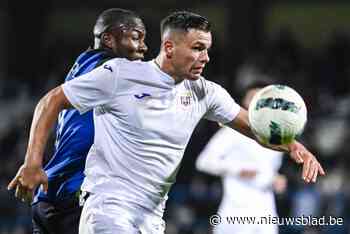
<point x="311" y="167"/>
<point x="26" y="181"/>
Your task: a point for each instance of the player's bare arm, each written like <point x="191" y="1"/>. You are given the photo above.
<point x="311" y="167"/>
<point x="31" y="174"/>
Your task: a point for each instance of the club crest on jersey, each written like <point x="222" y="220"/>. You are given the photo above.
<point x="185" y="99"/>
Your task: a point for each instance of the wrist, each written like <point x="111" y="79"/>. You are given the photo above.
<point x="33" y="162"/>
<point x="292" y="146"/>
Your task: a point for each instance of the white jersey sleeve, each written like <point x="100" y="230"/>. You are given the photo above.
<point x="221" y="106"/>
<point x="94" y="88"/>
<point x="216" y="158"/>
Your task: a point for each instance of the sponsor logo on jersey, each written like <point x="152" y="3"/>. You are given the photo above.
<point x="143" y="95"/>
<point x="107" y="67"/>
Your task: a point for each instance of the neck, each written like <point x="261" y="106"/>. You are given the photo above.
<point x="165" y="65"/>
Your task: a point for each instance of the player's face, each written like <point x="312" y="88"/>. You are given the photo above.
<point x="191" y="54"/>
<point x="129" y="42"/>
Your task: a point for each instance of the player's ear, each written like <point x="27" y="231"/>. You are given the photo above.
<point x="107" y="40"/>
<point x="168" y="48"/>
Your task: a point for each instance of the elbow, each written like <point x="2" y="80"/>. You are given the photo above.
<point x="198" y="165"/>
<point x="201" y="165"/>
<point x="54" y="101"/>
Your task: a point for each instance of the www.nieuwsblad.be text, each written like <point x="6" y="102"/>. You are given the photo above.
<point x="216" y="219"/>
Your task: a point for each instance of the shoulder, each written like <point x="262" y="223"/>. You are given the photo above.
<point x="125" y="66"/>
<point x="203" y="87"/>
<point x="127" y="63"/>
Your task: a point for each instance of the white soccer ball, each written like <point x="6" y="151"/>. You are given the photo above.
<point x="277" y="114"/>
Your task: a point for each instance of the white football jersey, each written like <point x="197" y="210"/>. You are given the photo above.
<point x="143" y="122"/>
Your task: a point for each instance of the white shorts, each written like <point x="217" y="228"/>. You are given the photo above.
<point x="103" y="214"/>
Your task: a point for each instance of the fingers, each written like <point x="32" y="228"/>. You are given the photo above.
<point x="16" y="180"/>
<point x="313" y="172"/>
<point x="45" y="184"/>
<point x="306" y="169"/>
<point x="28" y="196"/>
<point x="314" y="177"/>
<point x="24" y="194"/>
<point x="320" y="169"/>
<point x="299" y="158"/>
<point x="311" y="169"/>
<point x="296" y="156"/>
<point x="13" y="183"/>
<point x="18" y="193"/>
<point x="25" y="182"/>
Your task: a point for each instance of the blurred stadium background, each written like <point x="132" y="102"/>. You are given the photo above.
<point x="304" y="44"/>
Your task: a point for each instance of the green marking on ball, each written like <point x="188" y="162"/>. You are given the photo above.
<point x="288" y="138"/>
<point x="275" y="133"/>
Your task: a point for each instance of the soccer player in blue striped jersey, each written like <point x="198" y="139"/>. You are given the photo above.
<point x="55" y="208"/>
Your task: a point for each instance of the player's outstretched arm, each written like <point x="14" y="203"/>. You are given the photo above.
<point x="31" y="174"/>
<point x="311" y="167"/>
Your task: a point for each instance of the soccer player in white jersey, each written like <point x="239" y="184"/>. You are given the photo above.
<point x="249" y="173"/>
<point x="144" y="115"/>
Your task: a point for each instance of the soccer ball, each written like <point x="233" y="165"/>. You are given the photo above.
<point x="277" y="115"/>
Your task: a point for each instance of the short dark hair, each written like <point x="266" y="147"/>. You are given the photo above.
<point x="184" y="20"/>
<point x="112" y="17"/>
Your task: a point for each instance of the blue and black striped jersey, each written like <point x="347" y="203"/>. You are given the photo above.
<point x="74" y="137"/>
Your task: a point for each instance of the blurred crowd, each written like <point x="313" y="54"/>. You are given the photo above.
<point x="321" y="75"/>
